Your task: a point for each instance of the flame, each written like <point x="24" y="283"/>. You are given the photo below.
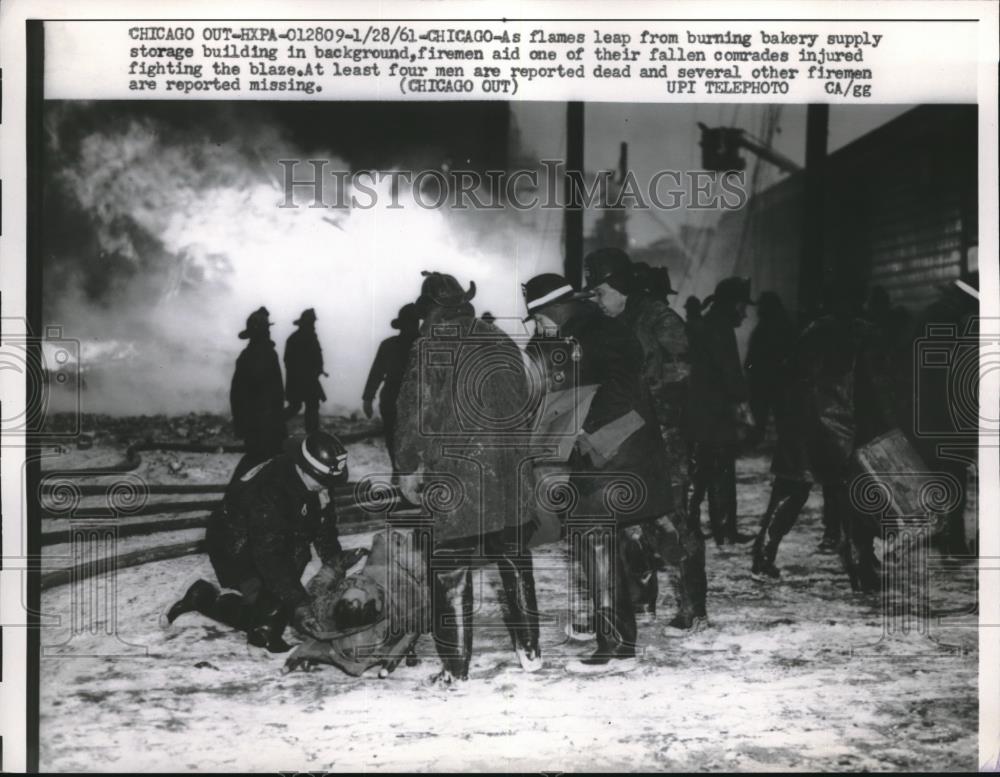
<point x="201" y="224"/>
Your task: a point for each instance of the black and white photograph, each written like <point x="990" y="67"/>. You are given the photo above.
<point x="449" y="434"/>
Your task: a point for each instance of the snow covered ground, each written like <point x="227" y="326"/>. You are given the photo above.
<point x="791" y="675"/>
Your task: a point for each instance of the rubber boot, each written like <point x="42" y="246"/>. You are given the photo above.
<point x="270" y="620"/>
<point x="784" y="506"/>
<point x="580" y="627"/>
<point x="858" y="556"/>
<point x="232" y="610"/>
<point x="832" y="512"/>
<point x="614" y="620"/>
<point x="199" y="597"/>
<point x="716" y="496"/>
<point x="452" y="625"/>
<point x="725" y="475"/>
<point x="696" y="487"/>
<point x="691" y="584"/>
<point x="640" y="573"/>
<point x="520" y="612"/>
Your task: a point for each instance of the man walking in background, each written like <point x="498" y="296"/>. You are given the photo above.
<point x="256" y="395"/>
<point x="303" y="368"/>
<point x="839" y="398"/>
<point x="770" y="344"/>
<point x="387" y="371"/>
<point x="717" y="408"/>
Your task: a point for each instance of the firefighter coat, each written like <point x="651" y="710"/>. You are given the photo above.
<point x="256" y="396"/>
<point x="663" y="337"/>
<point x="264" y="527"/>
<point x="303" y="366"/>
<point x="630" y="478"/>
<point x="716" y="386"/>
<point x="387" y="371"/>
<point x="839" y="397"/>
<point x="464" y="420"/>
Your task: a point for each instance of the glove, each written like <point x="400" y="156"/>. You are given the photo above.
<point x="304" y="620"/>
<point x="367" y="407"/>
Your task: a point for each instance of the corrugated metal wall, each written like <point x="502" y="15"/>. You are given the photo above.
<point x="900" y="212"/>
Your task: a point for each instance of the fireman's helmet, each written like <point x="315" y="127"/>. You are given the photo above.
<point x="607" y="265"/>
<point x="323" y="457"/>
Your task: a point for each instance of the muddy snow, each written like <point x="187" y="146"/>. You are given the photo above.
<point x="798" y="674"/>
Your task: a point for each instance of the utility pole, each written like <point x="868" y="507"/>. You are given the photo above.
<point x="573" y="213"/>
<point x="811" y="261"/>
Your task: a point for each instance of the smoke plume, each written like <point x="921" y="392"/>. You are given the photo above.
<point x="162" y="235"/>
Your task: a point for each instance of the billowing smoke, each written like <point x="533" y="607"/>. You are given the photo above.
<point x="161" y="238"/>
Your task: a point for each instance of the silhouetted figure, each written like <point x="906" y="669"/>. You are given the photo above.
<point x="943" y="399"/>
<point x="839" y="398"/>
<point x="303" y="368"/>
<point x="387" y="371"/>
<point x="692" y="311"/>
<point x="770" y="343"/>
<point x="256" y="395"/>
<point x="717" y="409"/>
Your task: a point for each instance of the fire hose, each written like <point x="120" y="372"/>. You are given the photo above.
<point x="356" y="513"/>
<point x="133" y="458"/>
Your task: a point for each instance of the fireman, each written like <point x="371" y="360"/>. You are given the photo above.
<point x="256" y="396"/>
<point x="637" y="296"/>
<point x="258" y="542"/>
<point x="387" y="371"/>
<point x="717" y="409"/>
<point x="303" y="368"/>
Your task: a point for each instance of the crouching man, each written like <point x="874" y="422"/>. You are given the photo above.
<point x="258" y="542"/>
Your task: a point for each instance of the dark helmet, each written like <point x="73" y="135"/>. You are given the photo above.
<point x="408" y="317"/>
<point x="607" y="265"/>
<point x="652" y="280"/>
<point x="359" y="605"/>
<point x="308" y="317"/>
<point x="733" y="290"/>
<point x="692" y="304"/>
<point x="443" y="290"/>
<point x="323" y="457"/>
<point x="258" y="322"/>
<point x="546" y="289"/>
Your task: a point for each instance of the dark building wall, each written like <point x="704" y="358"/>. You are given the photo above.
<point x="901" y="212"/>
